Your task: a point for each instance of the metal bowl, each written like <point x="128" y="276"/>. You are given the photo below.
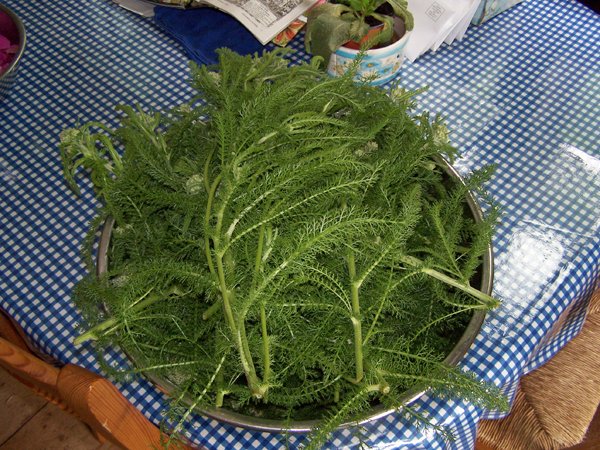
<point x="303" y="426"/>
<point x="7" y="78"/>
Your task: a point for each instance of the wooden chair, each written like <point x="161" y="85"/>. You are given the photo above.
<point x="90" y="397"/>
<point x="556" y="404"/>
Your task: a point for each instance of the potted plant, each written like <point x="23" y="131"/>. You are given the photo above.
<point x="280" y="253"/>
<point x="338" y="31"/>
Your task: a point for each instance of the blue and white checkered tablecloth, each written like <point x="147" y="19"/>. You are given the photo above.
<point x="521" y="91"/>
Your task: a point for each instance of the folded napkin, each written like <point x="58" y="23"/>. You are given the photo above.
<point x="201" y="31"/>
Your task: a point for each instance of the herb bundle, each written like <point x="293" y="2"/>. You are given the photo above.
<point x="287" y="247"/>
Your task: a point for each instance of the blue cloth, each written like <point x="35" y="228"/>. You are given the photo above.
<point x="513" y="93"/>
<point x="202" y="31"/>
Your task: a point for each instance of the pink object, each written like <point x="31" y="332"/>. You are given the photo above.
<point x="9" y="41"/>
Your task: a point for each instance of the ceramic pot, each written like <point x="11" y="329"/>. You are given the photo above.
<point x="378" y="64"/>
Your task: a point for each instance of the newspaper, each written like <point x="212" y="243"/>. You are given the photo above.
<point x="265" y="19"/>
<point x="137" y="6"/>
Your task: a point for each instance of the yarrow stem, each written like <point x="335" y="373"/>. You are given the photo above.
<point x="355" y="318"/>
<point x="483" y="298"/>
<point x="96" y="332"/>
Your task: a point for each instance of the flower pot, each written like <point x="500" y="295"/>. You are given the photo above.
<point x="15" y="33"/>
<point x="378" y="65"/>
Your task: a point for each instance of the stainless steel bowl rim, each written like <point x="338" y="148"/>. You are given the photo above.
<point x="377" y="412"/>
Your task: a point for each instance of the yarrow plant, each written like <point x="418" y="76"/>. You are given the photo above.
<point x="289" y="247"/>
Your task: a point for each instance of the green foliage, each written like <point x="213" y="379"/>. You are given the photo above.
<point x="331" y="25"/>
<point x="289" y="245"/>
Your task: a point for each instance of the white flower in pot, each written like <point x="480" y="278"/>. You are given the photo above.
<point x="339" y="31"/>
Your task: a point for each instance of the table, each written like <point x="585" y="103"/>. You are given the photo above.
<point x="521" y="91"/>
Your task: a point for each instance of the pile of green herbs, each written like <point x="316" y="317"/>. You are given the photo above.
<point x="289" y="246"/>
